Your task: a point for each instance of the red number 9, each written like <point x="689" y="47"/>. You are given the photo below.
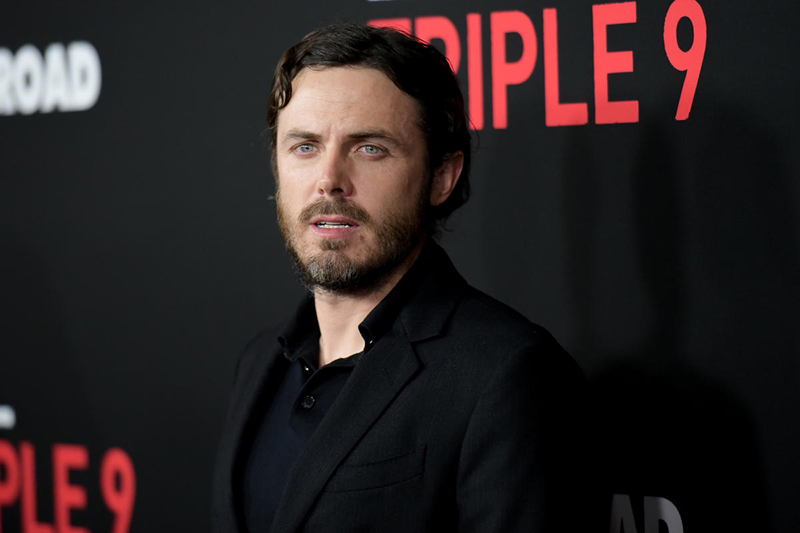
<point x="691" y="60"/>
<point x="118" y="485"/>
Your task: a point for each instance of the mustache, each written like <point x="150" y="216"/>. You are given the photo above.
<point x="337" y="206"/>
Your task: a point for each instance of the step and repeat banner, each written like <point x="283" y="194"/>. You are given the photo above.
<point x="635" y="190"/>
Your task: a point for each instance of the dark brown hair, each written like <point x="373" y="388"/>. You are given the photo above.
<point x="415" y="67"/>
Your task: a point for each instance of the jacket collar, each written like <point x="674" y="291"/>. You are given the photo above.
<point x="436" y="287"/>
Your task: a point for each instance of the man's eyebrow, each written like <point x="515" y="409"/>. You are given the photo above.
<point x="372" y="134"/>
<point x="298" y="135"/>
<point x="384" y="136"/>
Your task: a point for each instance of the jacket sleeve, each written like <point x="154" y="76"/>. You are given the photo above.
<point x="521" y="467"/>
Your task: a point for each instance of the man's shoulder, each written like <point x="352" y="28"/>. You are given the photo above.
<point x="479" y="314"/>
<point x="472" y="324"/>
<point x="486" y="332"/>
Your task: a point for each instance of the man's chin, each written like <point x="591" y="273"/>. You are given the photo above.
<point x="336" y="272"/>
<point x="334" y="275"/>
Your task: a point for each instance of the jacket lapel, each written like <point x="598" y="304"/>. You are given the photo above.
<point x="377" y="378"/>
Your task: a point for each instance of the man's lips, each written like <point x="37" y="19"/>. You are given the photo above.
<point x="333" y="222"/>
<point x="333" y="226"/>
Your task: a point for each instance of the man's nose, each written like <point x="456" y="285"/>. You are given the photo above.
<point x="334" y="179"/>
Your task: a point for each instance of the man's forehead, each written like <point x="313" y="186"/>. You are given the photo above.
<point x="363" y="95"/>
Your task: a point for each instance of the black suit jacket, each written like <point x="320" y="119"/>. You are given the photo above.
<point x="461" y="417"/>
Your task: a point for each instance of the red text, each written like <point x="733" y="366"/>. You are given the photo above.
<point x="18" y="484"/>
<point x="505" y="73"/>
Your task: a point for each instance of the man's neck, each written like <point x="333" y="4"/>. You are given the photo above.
<point x="339" y="315"/>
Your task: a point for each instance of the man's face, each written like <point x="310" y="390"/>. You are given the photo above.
<point x="353" y="183"/>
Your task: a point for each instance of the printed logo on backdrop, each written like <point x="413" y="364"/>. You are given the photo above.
<point x="655" y="512"/>
<point x="504" y="73"/>
<point x="63" y="78"/>
<point x="18" y="483"/>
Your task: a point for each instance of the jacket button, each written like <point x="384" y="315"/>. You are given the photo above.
<point x="308" y="402"/>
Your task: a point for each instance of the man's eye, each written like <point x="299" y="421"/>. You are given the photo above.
<point x="305" y="148"/>
<point x="371" y="150"/>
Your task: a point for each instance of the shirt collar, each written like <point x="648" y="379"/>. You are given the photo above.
<point x="301" y="329"/>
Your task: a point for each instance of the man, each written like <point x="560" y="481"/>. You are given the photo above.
<point x="398" y="398"/>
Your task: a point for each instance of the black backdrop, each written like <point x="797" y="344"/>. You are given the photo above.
<point x="138" y="251"/>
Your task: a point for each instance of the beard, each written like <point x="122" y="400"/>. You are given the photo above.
<point x="395" y="235"/>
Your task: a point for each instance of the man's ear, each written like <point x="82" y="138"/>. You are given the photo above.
<point x="446" y="177"/>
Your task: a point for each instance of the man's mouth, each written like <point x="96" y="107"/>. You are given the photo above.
<point x="331" y="225"/>
<point x="333" y="222"/>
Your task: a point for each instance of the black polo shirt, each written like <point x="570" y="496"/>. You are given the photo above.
<point x="295" y="408"/>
